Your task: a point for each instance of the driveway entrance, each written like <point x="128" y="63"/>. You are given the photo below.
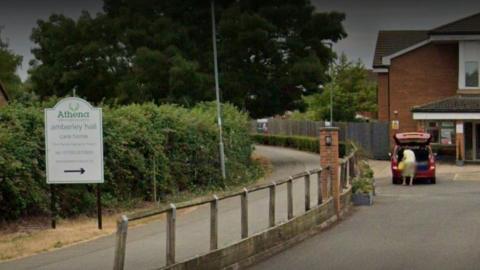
<point x="408" y="227"/>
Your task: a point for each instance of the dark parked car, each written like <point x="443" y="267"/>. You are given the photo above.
<point x="419" y="143"/>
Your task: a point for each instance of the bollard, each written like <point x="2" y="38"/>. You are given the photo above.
<point x="214" y="223"/>
<point x="244" y="213"/>
<point x="271" y="212"/>
<point x="319" y="188"/>
<point x="171" y="217"/>
<point x="307" y="191"/>
<point x="121" y="243"/>
<point x="290" y="198"/>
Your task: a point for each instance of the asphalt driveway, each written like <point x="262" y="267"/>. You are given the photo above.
<point x="419" y="227"/>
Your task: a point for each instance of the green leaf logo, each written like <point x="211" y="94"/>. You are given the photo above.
<point x="74" y="106"/>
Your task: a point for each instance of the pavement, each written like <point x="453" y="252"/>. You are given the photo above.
<point x="146" y="244"/>
<point x="408" y="227"/>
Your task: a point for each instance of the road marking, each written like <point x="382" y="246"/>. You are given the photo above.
<point x="471" y="176"/>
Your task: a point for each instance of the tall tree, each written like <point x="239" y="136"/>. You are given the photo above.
<point x="352" y="89"/>
<point x="9" y="62"/>
<point x="270" y="52"/>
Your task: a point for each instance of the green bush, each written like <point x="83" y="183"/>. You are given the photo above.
<point x="303" y="143"/>
<point x="179" y="144"/>
<point x="364" y="183"/>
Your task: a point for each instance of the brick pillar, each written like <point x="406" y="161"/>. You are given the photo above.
<point x="459" y="142"/>
<point x="329" y="158"/>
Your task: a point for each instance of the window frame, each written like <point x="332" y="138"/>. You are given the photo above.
<point x="438" y="126"/>
<point x="468" y="51"/>
<point x="465" y="73"/>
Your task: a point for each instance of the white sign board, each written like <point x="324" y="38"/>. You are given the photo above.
<point x="74" y="142"/>
<point x="459" y="128"/>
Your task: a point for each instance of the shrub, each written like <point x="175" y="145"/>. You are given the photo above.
<point x="362" y="185"/>
<point x="365" y="182"/>
<point x="303" y="143"/>
<point x="179" y="144"/>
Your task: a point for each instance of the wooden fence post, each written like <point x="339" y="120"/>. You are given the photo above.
<point x="307" y="191"/>
<point x="271" y="212"/>
<point x="244" y="213"/>
<point x="319" y="188"/>
<point x="171" y="218"/>
<point x="120" y="243"/>
<point x="214" y="223"/>
<point x="290" y="198"/>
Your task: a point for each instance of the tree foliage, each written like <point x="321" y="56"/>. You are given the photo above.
<point x="352" y="90"/>
<point x="270" y="52"/>
<point x="9" y="62"/>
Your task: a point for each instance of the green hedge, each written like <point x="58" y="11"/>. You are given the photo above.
<point x="181" y="143"/>
<point x="302" y="143"/>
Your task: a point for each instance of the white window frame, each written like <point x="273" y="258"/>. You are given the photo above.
<point x="468" y="51"/>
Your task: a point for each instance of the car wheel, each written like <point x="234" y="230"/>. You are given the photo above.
<point x="433" y="181"/>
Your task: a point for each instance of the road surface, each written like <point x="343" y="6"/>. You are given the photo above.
<point x="419" y="227"/>
<point x="146" y="244"/>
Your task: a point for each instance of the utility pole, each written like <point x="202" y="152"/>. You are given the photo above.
<point x="217" y="90"/>
<point x="330" y="45"/>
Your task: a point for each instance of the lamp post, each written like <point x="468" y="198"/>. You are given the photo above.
<point x="330" y="44"/>
<point x="217" y="90"/>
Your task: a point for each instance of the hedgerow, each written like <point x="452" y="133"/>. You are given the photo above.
<point x="180" y="145"/>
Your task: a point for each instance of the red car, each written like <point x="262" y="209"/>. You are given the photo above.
<point x="425" y="159"/>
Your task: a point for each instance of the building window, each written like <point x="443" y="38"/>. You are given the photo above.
<point x="442" y="132"/>
<point x="471" y="74"/>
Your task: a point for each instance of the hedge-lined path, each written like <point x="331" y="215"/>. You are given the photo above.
<point x="146" y="244"/>
<point x="419" y="227"/>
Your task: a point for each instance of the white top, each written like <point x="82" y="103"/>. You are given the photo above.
<point x="408" y="155"/>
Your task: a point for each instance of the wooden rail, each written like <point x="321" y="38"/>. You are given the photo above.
<point x="346" y="167"/>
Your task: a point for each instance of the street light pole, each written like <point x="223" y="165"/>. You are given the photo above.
<point x="217" y="90"/>
<point x="329" y="44"/>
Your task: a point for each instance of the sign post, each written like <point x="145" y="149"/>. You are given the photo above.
<point x="74" y="146"/>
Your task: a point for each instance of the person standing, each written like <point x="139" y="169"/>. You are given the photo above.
<point x="409" y="166"/>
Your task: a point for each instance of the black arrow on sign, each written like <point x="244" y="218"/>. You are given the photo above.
<point x="81" y="171"/>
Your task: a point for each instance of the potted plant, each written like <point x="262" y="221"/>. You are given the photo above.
<point x="362" y="191"/>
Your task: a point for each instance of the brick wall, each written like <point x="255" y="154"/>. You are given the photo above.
<point x="382" y="96"/>
<point x="426" y="74"/>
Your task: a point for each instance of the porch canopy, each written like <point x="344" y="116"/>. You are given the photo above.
<point x="460" y="107"/>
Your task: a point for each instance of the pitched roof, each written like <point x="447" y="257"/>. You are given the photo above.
<point x="451" y="104"/>
<point x="390" y="42"/>
<point x="3" y="91"/>
<point x="467" y="25"/>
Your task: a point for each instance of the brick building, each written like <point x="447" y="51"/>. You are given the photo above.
<point x="429" y="81"/>
<point x="3" y="96"/>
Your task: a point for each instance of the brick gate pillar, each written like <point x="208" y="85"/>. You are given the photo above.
<point x="329" y="158"/>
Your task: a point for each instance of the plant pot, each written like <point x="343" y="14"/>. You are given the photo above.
<point x="362" y="198"/>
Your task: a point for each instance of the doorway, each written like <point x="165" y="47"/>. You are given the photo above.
<point x="472" y="140"/>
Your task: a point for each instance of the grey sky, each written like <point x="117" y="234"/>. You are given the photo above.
<point x="364" y="19"/>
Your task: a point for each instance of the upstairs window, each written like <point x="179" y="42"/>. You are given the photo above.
<point x="471" y="74"/>
<point x="469" y="65"/>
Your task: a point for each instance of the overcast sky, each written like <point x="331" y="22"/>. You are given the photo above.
<point x="364" y="19"/>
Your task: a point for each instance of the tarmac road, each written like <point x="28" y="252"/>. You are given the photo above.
<point x="146" y="244"/>
<point x="419" y="227"/>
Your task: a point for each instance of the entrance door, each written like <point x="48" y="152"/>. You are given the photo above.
<point x="476" y="141"/>
<point x="471" y="131"/>
<point x="468" y="133"/>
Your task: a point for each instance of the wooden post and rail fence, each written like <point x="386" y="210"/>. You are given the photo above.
<point x="327" y="187"/>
